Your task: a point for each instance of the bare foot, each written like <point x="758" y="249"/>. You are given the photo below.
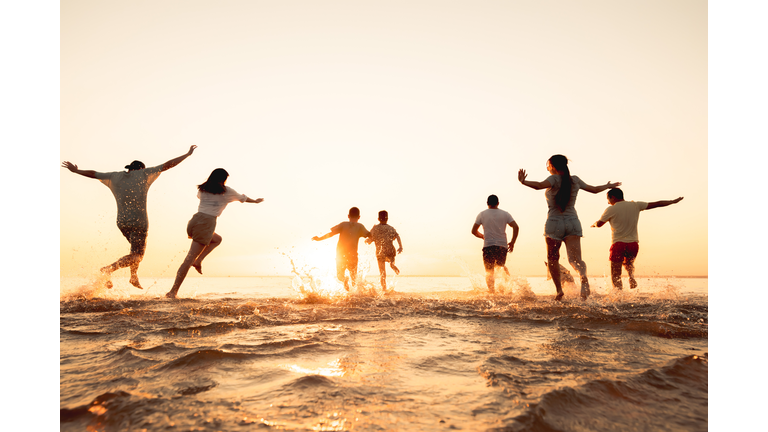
<point x="632" y="283"/>
<point x="134" y="280"/>
<point x="585" y="292"/>
<point x="171" y="295"/>
<point x="105" y="274"/>
<point x="198" y="267"/>
<point x="397" y="270"/>
<point x="559" y="296"/>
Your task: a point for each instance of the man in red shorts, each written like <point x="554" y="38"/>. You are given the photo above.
<point x="624" y="216"/>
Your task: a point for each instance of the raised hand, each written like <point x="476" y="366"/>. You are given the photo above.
<point x="521" y="176"/>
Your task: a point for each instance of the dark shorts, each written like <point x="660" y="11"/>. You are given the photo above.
<point x="386" y="257"/>
<point x="136" y="236"/>
<point x="494" y="256"/>
<point x="201" y="227"/>
<point x="624" y="252"/>
<point x="344" y="262"/>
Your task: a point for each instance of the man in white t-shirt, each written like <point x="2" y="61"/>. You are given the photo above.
<point x="494" y="222"/>
<point x="130" y="190"/>
<point x="623" y="217"/>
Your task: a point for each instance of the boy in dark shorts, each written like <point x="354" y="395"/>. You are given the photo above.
<point x="623" y="217"/>
<point x="383" y="235"/>
<point x="495" y="247"/>
<point x="346" y="249"/>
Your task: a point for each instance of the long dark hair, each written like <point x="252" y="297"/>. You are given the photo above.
<point x="563" y="196"/>
<point x="215" y="182"/>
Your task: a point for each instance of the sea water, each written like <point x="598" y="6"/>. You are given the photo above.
<point x="436" y="353"/>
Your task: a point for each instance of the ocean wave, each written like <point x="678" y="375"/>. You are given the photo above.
<point x="663" y="318"/>
<point x="204" y="357"/>
<point x="673" y="397"/>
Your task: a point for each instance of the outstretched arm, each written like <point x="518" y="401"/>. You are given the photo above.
<point x="657" y="204"/>
<point x="596" y="189"/>
<point x="72" y="167"/>
<point x="255" y="201"/>
<point x="323" y="237"/>
<point x="173" y="162"/>
<point x="521" y="175"/>
<point x="598" y="224"/>
<point x="477" y="233"/>
<point x="515" y="231"/>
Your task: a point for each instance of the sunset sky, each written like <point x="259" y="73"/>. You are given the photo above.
<point x="420" y="108"/>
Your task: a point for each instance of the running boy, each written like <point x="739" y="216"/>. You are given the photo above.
<point x="383" y="235"/>
<point x="494" y="222"/>
<point x="346" y="250"/>
<point x="624" y="216"/>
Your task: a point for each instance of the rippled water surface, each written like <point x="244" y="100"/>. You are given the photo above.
<point x="436" y="354"/>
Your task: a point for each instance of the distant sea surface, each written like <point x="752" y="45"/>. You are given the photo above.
<point x="436" y="354"/>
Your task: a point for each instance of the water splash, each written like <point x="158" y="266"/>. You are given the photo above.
<point x="314" y="276"/>
<point x="95" y="286"/>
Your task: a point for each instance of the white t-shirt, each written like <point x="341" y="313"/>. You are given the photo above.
<point x="130" y="191"/>
<point x="494" y="223"/>
<point x="214" y="204"/>
<point x="623" y="217"/>
<point x="570" y="210"/>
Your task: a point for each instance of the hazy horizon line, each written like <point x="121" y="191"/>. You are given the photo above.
<point x="427" y="275"/>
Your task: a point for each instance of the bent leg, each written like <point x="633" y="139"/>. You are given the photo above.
<point x="573" y="249"/>
<point x="553" y="264"/>
<point x="137" y="237"/>
<point x="194" y="251"/>
<point x="131" y="260"/>
<point x="392" y="264"/>
<point x="215" y="242"/>
<point x="134" y="280"/>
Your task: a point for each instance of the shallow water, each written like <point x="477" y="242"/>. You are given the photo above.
<point x="436" y="354"/>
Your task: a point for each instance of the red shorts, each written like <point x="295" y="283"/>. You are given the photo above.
<point x="624" y="252"/>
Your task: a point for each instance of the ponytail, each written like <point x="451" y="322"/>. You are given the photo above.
<point x="563" y="196"/>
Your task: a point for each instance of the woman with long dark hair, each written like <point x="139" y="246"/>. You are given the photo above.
<point x="214" y="196"/>
<point x="562" y="221"/>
